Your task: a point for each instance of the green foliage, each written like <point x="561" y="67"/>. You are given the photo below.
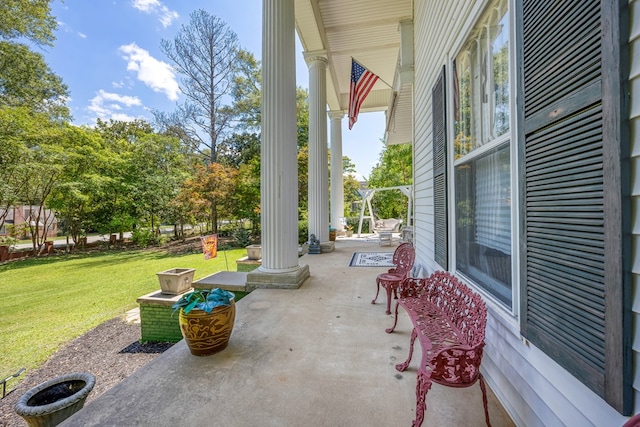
<point x="8" y="241"/>
<point x="145" y="237"/>
<point x="353" y="222"/>
<point x="303" y="231"/>
<point x="394" y="169"/>
<point x="302" y="116"/>
<point x="247" y="91"/>
<point x="29" y="19"/>
<point x="26" y="80"/>
<point x="242" y="237"/>
<point x="203" y="299"/>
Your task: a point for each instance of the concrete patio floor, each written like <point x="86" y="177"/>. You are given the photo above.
<point x="315" y="356"/>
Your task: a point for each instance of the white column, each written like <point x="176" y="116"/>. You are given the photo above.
<point x="279" y="170"/>
<point x="337" y="186"/>
<point x="318" y="155"/>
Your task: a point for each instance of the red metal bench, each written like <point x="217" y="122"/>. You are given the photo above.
<point x="449" y="321"/>
<point x="403" y="258"/>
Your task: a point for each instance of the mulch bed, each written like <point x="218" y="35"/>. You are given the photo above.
<point x="111" y="352"/>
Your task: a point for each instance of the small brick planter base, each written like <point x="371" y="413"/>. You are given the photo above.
<point x="157" y="323"/>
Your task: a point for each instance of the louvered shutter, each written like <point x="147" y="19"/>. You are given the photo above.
<point x="440" y="172"/>
<point x="572" y="305"/>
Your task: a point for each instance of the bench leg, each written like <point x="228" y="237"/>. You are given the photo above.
<point x="395" y="322"/>
<point x="377" y="291"/>
<point x="403" y="366"/>
<point x="422" y="387"/>
<point x="484" y="400"/>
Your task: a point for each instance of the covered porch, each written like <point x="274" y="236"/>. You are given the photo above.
<point x="317" y="356"/>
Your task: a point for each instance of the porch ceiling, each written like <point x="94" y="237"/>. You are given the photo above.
<point x="369" y="31"/>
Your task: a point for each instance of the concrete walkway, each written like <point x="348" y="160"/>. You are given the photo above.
<point x="315" y="356"/>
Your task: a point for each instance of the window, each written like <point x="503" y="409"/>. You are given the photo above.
<point x="482" y="153"/>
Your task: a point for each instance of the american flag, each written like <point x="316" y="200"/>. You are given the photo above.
<point x="362" y="81"/>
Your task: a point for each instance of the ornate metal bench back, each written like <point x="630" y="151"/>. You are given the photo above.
<point x="464" y="307"/>
<point x="403" y="258"/>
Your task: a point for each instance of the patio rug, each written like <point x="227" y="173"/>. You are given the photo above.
<point x="371" y="259"/>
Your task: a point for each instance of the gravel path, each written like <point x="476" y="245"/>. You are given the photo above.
<point x="110" y="351"/>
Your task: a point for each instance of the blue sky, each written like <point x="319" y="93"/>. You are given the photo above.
<point x="108" y="53"/>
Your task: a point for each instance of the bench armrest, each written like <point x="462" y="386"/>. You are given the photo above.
<point x="457" y="364"/>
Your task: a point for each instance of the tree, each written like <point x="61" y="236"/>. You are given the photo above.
<point x="211" y="185"/>
<point x="140" y="176"/>
<point x="13" y="151"/>
<point x="25" y="77"/>
<point x="350" y="185"/>
<point x="155" y="172"/>
<point x="205" y="54"/>
<point x="247" y="92"/>
<point x="72" y="199"/>
<point x="29" y="19"/>
<point x="27" y="80"/>
<point x="44" y="163"/>
<point x="394" y="169"/>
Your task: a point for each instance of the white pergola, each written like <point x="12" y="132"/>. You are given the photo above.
<point x="367" y="195"/>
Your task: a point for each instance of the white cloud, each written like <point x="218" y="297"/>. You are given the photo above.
<point x="67" y="29"/>
<point x="158" y="75"/>
<point x="107" y="105"/>
<point x="155" y="7"/>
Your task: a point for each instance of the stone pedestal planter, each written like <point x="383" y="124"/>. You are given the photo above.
<point x="254" y="252"/>
<point x="52" y="402"/>
<point x="176" y="281"/>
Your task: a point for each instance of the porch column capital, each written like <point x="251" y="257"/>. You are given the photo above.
<point x="336" y="114"/>
<point x="315" y="57"/>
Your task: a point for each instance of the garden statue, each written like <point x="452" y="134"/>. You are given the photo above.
<point x="314" y="245"/>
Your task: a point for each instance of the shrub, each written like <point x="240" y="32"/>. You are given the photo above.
<point x="353" y="223"/>
<point x="303" y="231"/>
<point x="145" y="237"/>
<point x="242" y="237"/>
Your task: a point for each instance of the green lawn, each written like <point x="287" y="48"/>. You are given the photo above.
<point x="46" y="302"/>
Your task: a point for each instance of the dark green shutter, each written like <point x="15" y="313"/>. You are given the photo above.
<point x="440" y="171"/>
<point x="574" y="280"/>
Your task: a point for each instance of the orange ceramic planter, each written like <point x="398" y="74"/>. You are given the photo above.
<point x="207" y="333"/>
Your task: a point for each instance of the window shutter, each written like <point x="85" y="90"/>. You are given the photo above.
<point x="440" y="172"/>
<point x="572" y="302"/>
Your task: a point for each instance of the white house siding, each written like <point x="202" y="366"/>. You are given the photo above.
<point x="634" y="77"/>
<point x="534" y="389"/>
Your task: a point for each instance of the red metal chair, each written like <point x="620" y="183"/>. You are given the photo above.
<point x="403" y="258"/>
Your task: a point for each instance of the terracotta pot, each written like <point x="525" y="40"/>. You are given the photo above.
<point x="332" y="235"/>
<point x="52" y="402"/>
<point x="207" y="333"/>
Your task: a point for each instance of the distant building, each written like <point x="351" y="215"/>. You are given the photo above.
<point x="18" y="218"/>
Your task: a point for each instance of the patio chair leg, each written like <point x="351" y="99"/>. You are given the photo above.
<point x="484" y="400"/>
<point x="402" y="366"/>
<point x="377" y="291"/>
<point x="422" y="387"/>
<point x="387" y="288"/>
